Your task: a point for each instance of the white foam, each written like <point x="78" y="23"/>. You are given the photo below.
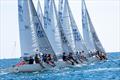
<point x="102" y="69"/>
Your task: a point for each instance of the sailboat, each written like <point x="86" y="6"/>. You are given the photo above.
<point x="38" y="32"/>
<point x="38" y="39"/>
<point x="78" y="40"/>
<point x="89" y="33"/>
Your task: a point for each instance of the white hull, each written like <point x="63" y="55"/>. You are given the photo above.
<point x="38" y="67"/>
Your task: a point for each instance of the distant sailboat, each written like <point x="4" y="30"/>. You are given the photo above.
<point x="90" y="36"/>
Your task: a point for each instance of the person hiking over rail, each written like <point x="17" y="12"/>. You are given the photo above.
<point x="49" y="60"/>
<point x="38" y="61"/>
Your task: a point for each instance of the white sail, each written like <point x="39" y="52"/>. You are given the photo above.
<point x="38" y="31"/>
<point x="97" y="43"/>
<point x="40" y="13"/>
<point x="79" y="43"/>
<point x="55" y="28"/>
<point x="67" y="26"/>
<point x="86" y="29"/>
<point x="65" y="43"/>
<point x="50" y="25"/>
<point x="24" y="28"/>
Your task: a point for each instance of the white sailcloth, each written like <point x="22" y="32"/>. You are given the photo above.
<point x="55" y="28"/>
<point x="65" y="44"/>
<point x="50" y="25"/>
<point x="67" y="26"/>
<point x="86" y="29"/>
<point x="38" y="32"/>
<point x="40" y="13"/>
<point x="79" y="43"/>
<point x="24" y="28"/>
<point x="97" y="43"/>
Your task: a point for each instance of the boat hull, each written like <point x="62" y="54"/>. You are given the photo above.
<point x="38" y="67"/>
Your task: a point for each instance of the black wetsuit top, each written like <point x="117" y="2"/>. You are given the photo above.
<point x="31" y="61"/>
<point x="64" y="58"/>
<point x="37" y="60"/>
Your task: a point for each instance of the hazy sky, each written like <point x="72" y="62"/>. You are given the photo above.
<point x="105" y="15"/>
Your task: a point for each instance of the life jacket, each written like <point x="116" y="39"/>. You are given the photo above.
<point x="20" y="63"/>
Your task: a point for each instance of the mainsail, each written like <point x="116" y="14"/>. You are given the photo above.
<point x="38" y="31"/>
<point x="65" y="43"/>
<point x="97" y="44"/>
<point x="24" y="28"/>
<point x="79" y="43"/>
<point x="86" y="29"/>
<point x="40" y="13"/>
<point x="51" y="26"/>
<point x="67" y="26"/>
<point x="54" y="25"/>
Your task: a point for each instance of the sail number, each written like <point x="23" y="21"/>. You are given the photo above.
<point x="39" y="31"/>
<point x="76" y="35"/>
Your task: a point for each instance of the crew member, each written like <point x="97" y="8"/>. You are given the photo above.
<point x="50" y="60"/>
<point x="70" y="57"/>
<point x="31" y="60"/>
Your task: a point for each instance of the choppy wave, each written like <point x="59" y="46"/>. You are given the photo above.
<point x="102" y="69"/>
<point x="107" y="70"/>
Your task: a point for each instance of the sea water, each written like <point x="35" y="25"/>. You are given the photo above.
<point x="104" y="70"/>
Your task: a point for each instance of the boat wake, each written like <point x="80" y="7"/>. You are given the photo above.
<point x="3" y="72"/>
<point x="102" y="69"/>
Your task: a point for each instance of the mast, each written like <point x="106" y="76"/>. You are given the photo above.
<point x="24" y="28"/>
<point x="94" y="36"/>
<point x="38" y="32"/>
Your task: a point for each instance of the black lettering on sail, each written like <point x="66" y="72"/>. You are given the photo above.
<point x="39" y="31"/>
<point x="20" y="10"/>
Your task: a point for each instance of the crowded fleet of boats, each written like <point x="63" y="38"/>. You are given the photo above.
<point x="52" y="39"/>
